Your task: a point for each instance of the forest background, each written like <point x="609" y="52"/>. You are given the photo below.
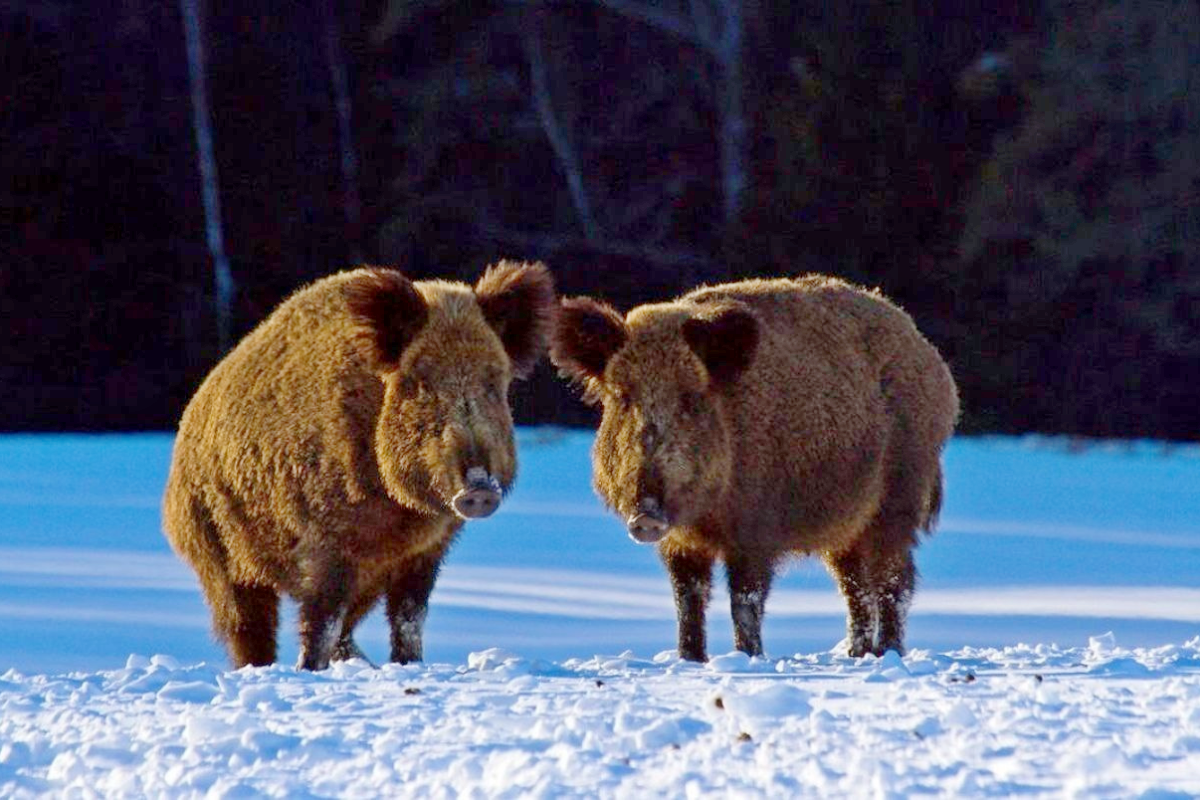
<point x="1022" y="176"/>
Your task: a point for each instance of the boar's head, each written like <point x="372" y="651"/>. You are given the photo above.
<point x="664" y="451"/>
<point x="446" y="354"/>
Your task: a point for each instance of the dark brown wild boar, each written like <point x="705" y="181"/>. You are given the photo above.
<point x="756" y="420"/>
<point x="334" y="454"/>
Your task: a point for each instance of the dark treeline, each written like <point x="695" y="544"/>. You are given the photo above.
<point x="1023" y="176"/>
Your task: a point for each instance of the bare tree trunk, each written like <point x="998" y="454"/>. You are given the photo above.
<point x="734" y="128"/>
<point x="335" y="58"/>
<point x="209" y="183"/>
<point x="717" y="27"/>
<point x="560" y="141"/>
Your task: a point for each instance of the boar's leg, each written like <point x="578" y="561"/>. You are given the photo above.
<point x="407" y="603"/>
<point x="850" y="569"/>
<point x="247" y="623"/>
<point x="749" y="583"/>
<point x="323" y="608"/>
<point x="346" y="647"/>
<point x="245" y="618"/>
<point x="895" y="578"/>
<point x="691" y="580"/>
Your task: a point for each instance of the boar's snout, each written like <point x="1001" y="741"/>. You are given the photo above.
<point x="649" y="524"/>
<point x="480" y="497"/>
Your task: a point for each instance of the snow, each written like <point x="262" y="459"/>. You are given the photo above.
<point x="1055" y="650"/>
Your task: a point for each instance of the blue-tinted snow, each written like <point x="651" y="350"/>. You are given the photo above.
<point x="1040" y="540"/>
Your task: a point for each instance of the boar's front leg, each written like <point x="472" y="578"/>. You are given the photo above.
<point x="749" y="584"/>
<point x="407" y="605"/>
<point x="324" y="601"/>
<point x="247" y="621"/>
<point x="691" y="580"/>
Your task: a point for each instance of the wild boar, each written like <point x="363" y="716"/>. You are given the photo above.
<point x="335" y="453"/>
<point x="752" y="421"/>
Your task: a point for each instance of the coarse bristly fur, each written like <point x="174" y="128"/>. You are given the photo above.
<point x="762" y="419"/>
<point x="321" y="458"/>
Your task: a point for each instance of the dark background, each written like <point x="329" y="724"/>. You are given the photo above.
<point x="1023" y="177"/>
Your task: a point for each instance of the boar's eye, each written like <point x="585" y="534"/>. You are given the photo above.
<point x="690" y="402"/>
<point x="621" y="399"/>
<point x="493" y="392"/>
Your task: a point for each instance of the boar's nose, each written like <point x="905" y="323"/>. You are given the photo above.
<point x="646" y="529"/>
<point x="476" y="502"/>
<point x="648" y="525"/>
<point x="480" y="497"/>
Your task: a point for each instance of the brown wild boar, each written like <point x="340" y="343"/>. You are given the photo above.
<point x="756" y="420"/>
<point x="334" y="454"/>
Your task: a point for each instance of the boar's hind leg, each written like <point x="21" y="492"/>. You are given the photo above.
<point x="895" y="576"/>
<point x="749" y="584"/>
<point x="323" y="607"/>
<point x="691" y="581"/>
<point x="877" y="577"/>
<point x="908" y="505"/>
<point x="407" y="605"/>
<point x="346" y="647"/>
<point x="851" y="570"/>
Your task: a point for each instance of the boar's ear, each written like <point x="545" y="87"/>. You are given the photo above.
<point x="587" y="334"/>
<point x="389" y="311"/>
<point x="517" y="300"/>
<point x="725" y="338"/>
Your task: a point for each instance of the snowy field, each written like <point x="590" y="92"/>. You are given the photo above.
<point x="1055" y="650"/>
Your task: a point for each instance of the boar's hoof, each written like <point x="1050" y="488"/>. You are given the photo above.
<point x="647" y="528"/>
<point x="480" y="498"/>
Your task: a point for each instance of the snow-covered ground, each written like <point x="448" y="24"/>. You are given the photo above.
<point x="1055" y="650"/>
